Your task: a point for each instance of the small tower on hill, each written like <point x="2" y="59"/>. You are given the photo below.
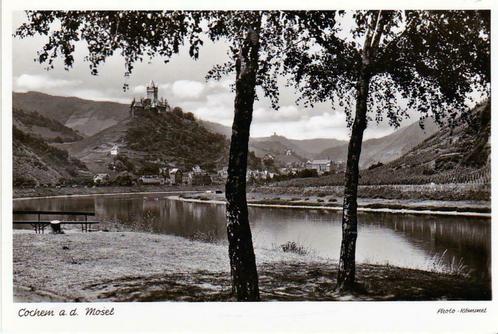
<point x="152" y="91"/>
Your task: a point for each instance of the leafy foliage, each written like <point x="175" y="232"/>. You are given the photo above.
<point x="138" y="35"/>
<point x="416" y="60"/>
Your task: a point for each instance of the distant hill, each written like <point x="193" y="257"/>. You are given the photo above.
<point x="49" y="129"/>
<point x="386" y="148"/>
<point x="107" y="122"/>
<point x="317" y="145"/>
<point x="217" y="128"/>
<point x="36" y="162"/>
<point x="451" y="155"/>
<point x="95" y="150"/>
<point x="465" y="146"/>
<point x="303" y="149"/>
<point x="86" y="116"/>
<point x="283" y="151"/>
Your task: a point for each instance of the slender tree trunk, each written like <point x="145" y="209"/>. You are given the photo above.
<point x="240" y="249"/>
<point x="346" y="275"/>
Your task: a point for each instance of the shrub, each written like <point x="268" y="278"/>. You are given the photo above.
<point x="293" y="247"/>
<point x="203" y="236"/>
<point x="123" y="179"/>
<point x="23" y="181"/>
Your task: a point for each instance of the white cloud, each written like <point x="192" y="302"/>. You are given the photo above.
<point x="327" y="125"/>
<point x="216" y="107"/>
<point x="140" y="89"/>
<point x="285" y="113"/>
<point x="328" y="120"/>
<point x="223" y="83"/>
<point x="97" y="95"/>
<point x="187" y="88"/>
<point x="39" y="82"/>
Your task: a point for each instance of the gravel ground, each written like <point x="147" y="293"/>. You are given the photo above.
<point x="60" y="266"/>
<point x="131" y="266"/>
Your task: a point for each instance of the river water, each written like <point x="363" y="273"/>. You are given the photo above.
<point x="413" y="241"/>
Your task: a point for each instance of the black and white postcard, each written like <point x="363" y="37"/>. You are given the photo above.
<point x="188" y="166"/>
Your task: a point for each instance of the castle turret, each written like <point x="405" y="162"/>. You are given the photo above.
<point x="151" y="102"/>
<point x="152" y="91"/>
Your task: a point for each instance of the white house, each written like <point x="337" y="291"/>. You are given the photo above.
<point x="115" y="150"/>
<point x="321" y="166"/>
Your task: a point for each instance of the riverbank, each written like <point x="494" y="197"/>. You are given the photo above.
<point x="82" y="191"/>
<point x="311" y="198"/>
<point x="331" y="202"/>
<point x="131" y="266"/>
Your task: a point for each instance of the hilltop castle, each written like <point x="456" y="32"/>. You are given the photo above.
<point x="150" y="103"/>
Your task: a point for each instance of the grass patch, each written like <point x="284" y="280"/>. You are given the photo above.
<point x="293" y="247"/>
<point x="427" y="208"/>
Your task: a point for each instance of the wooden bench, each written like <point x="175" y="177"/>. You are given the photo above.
<point x="40" y="225"/>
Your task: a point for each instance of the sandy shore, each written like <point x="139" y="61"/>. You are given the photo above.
<point x="130" y="266"/>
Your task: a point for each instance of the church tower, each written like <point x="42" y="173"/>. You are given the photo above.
<point x="152" y="91"/>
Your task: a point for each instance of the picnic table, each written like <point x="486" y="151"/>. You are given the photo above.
<point x="39" y="225"/>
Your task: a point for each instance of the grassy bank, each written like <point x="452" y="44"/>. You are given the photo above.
<point x="332" y="202"/>
<point x="436" y="192"/>
<point x="129" y="266"/>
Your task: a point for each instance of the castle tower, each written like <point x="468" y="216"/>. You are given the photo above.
<point x="152" y="91"/>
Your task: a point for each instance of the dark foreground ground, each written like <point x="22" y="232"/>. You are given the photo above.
<point x="130" y="266"/>
<point x="300" y="282"/>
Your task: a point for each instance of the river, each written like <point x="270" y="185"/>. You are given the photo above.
<point x="424" y="242"/>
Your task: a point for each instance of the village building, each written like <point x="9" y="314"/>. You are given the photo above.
<point x="115" y="150"/>
<point x="151" y="179"/>
<point x="321" y="166"/>
<point x="259" y="175"/>
<point x="268" y="157"/>
<point x="197" y="170"/>
<point x="101" y="179"/>
<point x="149" y="103"/>
<point x="176" y="176"/>
<point x="337" y="166"/>
<point x="198" y="177"/>
<point x="164" y="171"/>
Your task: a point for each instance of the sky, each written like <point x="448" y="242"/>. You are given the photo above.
<point x="182" y="82"/>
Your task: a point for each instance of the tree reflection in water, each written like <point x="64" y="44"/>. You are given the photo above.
<point x="414" y="241"/>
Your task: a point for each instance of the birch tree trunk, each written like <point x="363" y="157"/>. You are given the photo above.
<point x="347" y="259"/>
<point x="346" y="275"/>
<point x="240" y="249"/>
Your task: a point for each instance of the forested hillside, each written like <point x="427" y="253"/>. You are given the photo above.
<point x="35" y="162"/>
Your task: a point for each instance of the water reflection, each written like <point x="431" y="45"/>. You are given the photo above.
<point x="413" y="241"/>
